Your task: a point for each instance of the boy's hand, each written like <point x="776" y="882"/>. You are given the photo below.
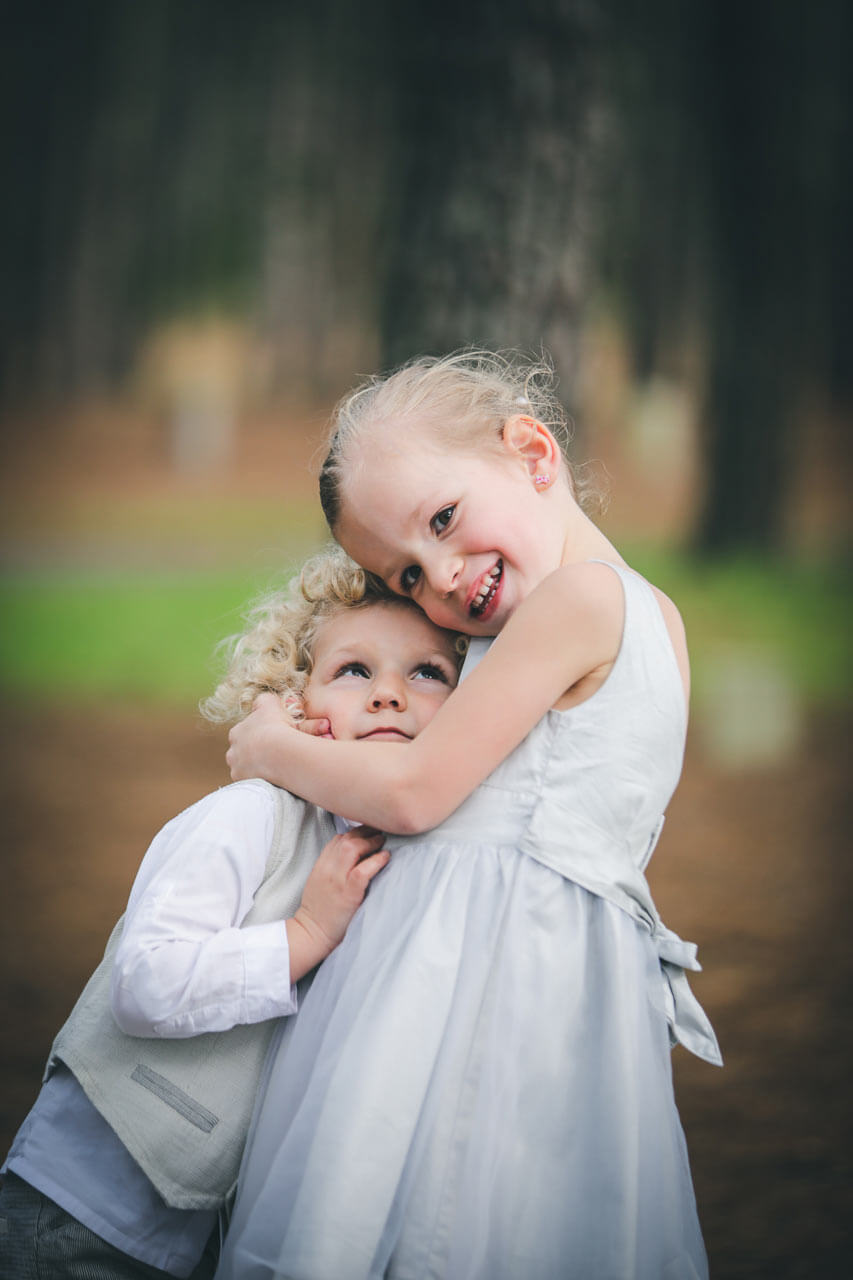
<point x="333" y="893"/>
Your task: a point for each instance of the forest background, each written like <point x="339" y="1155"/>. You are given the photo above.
<point x="217" y="217"/>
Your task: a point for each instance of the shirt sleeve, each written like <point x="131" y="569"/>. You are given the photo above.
<point x="184" y="966"/>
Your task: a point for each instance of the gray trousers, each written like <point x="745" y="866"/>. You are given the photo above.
<point x="40" y="1241"/>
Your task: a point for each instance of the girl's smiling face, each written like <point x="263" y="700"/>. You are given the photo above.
<point x="380" y="673"/>
<point x="467" y="537"/>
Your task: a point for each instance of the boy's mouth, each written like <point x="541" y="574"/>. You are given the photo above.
<point x="487" y="590"/>
<point x="387" y="735"/>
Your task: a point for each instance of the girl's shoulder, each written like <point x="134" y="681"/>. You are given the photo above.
<point x="674" y="624"/>
<point x="588" y="591"/>
<point x="599" y="589"/>
<point x="589" y="597"/>
<point x="593" y="579"/>
<point x="580" y="605"/>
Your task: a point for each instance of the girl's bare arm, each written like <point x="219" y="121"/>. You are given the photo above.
<point x="567" y="628"/>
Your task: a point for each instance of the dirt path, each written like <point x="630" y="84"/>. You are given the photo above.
<point x="753" y="867"/>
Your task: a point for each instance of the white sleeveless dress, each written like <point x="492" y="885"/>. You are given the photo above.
<point x="478" y="1084"/>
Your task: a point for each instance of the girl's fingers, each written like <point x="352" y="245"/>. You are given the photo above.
<point x="317" y="728"/>
<point x="267" y="707"/>
<point x="266" y="701"/>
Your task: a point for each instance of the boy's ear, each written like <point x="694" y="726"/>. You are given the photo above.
<point x="530" y="440"/>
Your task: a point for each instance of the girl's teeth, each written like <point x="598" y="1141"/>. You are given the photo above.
<point x="486" y="587"/>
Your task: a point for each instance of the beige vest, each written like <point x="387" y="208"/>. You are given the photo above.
<point x="182" y="1107"/>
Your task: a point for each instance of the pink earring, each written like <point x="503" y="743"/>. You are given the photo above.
<point x="541" y="481"/>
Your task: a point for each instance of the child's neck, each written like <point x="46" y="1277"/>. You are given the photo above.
<point x="585" y="541"/>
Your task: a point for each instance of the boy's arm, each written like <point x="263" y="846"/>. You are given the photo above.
<point x="184" y="966"/>
<point x="569" y="627"/>
<point x="333" y="893"/>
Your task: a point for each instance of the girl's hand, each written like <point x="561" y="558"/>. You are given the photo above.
<point x="249" y="740"/>
<point x="248" y="755"/>
<point x="317" y="728"/>
<point x="333" y="892"/>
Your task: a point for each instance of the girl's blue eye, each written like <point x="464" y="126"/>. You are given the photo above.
<point x="442" y="518"/>
<point x="353" y="669"/>
<point x="430" y="671"/>
<point x="409" y="577"/>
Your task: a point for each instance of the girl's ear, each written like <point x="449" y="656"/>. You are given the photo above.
<point x="531" y="441"/>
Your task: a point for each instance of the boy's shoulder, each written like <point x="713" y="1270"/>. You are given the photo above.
<point x="237" y="803"/>
<point x="254" y="793"/>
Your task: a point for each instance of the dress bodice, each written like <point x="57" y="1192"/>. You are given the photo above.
<point x="585" y="792"/>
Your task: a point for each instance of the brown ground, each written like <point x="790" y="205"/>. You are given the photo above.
<point x="752" y="866"/>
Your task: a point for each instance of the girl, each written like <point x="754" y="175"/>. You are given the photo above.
<point x="479" y="1085"/>
<point x="134" y="1142"/>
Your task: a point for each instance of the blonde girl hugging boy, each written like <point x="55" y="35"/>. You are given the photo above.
<point x="479" y="1084"/>
<point x="131" y="1149"/>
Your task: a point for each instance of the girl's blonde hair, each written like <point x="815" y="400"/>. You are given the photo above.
<point x="275" y="653"/>
<point x="462" y="400"/>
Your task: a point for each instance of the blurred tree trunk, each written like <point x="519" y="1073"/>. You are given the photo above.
<point x="724" y="241"/>
<point x="487" y="232"/>
<point x="324" y="176"/>
<point x="774" y="94"/>
<point x="451" y="175"/>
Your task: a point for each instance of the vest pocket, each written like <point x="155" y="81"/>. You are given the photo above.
<point x="175" y="1097"/>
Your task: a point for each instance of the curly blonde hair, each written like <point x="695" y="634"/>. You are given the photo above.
<point x="275" y="652"/>
<point x="462" y="400"/>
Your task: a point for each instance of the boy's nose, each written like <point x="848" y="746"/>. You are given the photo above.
<point x="388" y="693"/>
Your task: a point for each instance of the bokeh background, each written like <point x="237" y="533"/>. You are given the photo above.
<point x="216" y="217"/>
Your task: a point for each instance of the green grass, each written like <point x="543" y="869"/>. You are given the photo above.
<point x="149" y="636"/>
<point x="134" y="637"/>
<point x="796" y="615"/>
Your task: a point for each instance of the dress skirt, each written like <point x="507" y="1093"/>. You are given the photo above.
<point x="477" y="1087"/>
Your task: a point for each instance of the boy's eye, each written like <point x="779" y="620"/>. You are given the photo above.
<point x="409" y="577"/>
<point x="353" y="669"/>
<point x="442" y="518"/>
<point x="429" y="671"/>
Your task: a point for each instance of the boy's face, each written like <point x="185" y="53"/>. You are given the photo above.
<point x="380" y="673"/>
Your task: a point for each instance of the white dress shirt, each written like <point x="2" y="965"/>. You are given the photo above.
<point x="183" y="967"/>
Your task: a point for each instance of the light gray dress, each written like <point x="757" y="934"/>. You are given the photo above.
<point x="478" y="1085"/>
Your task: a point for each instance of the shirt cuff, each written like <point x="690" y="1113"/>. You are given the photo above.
<point x="269" y="992"/>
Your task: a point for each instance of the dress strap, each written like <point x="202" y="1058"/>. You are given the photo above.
<point x="646" y="643"/>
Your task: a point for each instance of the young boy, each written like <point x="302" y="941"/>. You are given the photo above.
<point x="132" y="1147"/>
